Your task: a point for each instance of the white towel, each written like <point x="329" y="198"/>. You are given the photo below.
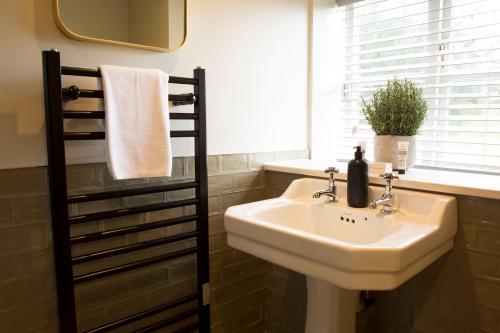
<point x="137" y="122"/>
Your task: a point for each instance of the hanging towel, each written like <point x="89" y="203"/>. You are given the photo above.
<point x="137" y="122"/>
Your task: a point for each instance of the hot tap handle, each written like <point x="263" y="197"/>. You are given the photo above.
<point x="331" y="170"/>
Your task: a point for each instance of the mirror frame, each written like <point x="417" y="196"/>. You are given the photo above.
<point x="60" y="24"/>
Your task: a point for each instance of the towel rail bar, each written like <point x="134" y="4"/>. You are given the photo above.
<point x="130" y="211"/>
<point x="72" y="136"/>
<point x="167" y="322"/>
<point x="131" y="229"/>
<point x="134" y="265"/>
<point x="144" y="314"/>
<point x="74" y="114"/>
<point x="190" y="328"/>
<point x="86" y="197"/>
<point x="132" y="247"/>
<point x="66" y="70"/>
<point x="184" y="116"/>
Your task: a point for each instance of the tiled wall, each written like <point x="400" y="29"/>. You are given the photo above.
<point x="459" y="293"/>
<point x="286" y="302"/>
<point x="27" y="281"/>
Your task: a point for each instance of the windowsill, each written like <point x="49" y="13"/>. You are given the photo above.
<point x="449" y="182"/>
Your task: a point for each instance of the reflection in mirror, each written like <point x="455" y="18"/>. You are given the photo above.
<point x="152" y="24"/>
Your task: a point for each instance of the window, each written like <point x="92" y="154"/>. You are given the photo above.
<point x="451" y="49"/>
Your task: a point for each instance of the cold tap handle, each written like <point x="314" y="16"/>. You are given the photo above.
<point x="389" y="176"/>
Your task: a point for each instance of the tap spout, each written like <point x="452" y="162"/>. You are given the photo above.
<point x="386" y="200"/>
<point x="329" y="192"/>
<point x="373" y="204"/>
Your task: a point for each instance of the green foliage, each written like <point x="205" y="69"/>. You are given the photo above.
<point x="397" y="109"/>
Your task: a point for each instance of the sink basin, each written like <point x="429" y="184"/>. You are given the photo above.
<point x="342" y="249"/>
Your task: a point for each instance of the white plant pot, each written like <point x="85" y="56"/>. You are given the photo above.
<point x="386" y="149"/>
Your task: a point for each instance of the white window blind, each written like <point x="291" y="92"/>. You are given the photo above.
<point x="451" y="49"/>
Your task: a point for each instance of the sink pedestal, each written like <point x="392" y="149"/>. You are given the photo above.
<point x="330" y="309"/>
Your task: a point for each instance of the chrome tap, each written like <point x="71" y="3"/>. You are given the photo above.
<point x="387" y="198"/>
<point x="331" y="191"/>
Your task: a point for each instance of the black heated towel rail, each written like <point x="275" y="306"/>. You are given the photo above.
<point x="55" y="96"/>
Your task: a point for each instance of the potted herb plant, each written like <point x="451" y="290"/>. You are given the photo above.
<point x="395" y="114"/>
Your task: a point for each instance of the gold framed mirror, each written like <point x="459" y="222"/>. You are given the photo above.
<point x="159" y="25"/>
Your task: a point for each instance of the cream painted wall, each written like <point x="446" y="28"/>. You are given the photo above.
<point x="326" y="65"/>
<point x="255" y="53"/>
<point x="175" y="23"/>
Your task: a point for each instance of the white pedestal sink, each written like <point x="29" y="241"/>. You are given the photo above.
<point x="341" y="249"/>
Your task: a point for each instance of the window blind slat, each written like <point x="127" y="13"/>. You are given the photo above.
<point x="351" y="19"/>
<point x="426" y="65"/>
<point x="427" y="34"/>
<point x="481" y="118"/>
<point x="472" y="151"/>
<point x="368" y="4"/>
<point x="450" y="129"/>
<point x="458" y="51"/>
<point x="401" y="28"/>
<point x="451" y="107"/>
<point x="451" y="97"/>
<point x="480" y="83"/>
<point x="400" y="5"/>
<point x="458" y="164"/>
<point x="412" y="45"/>
<point x="348" y="142"/>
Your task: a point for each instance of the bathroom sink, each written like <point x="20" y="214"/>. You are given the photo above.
<point x="354" y="248"/>
<point x="342" y="249"/>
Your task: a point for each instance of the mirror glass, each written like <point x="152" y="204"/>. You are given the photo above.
<point x="152" y="24"/>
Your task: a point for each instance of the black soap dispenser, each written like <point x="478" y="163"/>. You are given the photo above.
<point x="357" y="180"/>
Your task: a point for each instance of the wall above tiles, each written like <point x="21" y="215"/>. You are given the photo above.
<point x="256" y="87"/>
